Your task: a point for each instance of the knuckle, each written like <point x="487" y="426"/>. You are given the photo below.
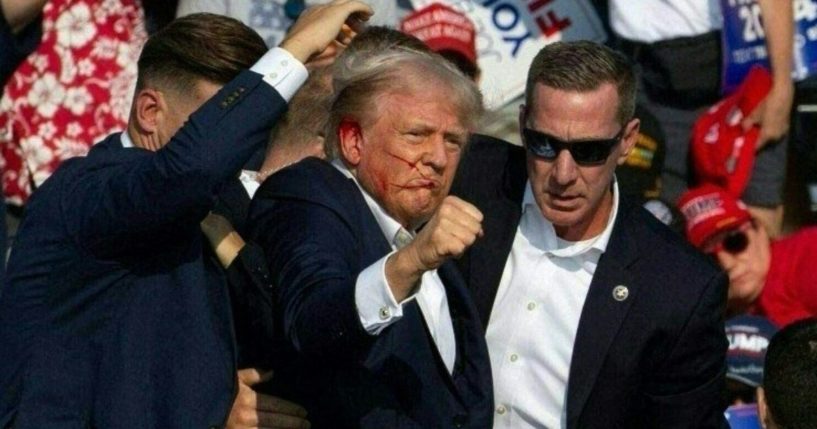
<point x="459" y="248"/>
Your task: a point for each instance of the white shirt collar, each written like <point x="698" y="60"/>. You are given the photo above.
<point x="388" y="224"/>
<point x="543" y="235"/>
<point x="249" y="180"/>
<point x="124" y="138"/>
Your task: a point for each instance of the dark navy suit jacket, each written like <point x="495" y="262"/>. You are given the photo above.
<point x="319" y="234"/>
<point x="113" y="316"/>
<point x="653" y="360"/>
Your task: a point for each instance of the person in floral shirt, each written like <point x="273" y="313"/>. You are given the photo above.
<point x="72" y="91"/>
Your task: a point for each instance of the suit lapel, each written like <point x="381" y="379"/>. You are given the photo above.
<point x="488" y="257"/>
<point x="602" y="314"/>
<point x="455" y="293"/>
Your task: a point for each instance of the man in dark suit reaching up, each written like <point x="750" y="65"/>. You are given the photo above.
<point x="596" y="315"/>
<point x="377" y="325"/>
<point x="113" y="315"/>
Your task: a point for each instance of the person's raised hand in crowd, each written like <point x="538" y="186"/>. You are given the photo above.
<point x="448" y="234"/>
<point x="258" y="411"/>
<point x="772" y="114"/>
<point x="323" y="25"/>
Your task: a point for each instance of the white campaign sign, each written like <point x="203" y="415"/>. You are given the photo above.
<point x="511" y="32"/>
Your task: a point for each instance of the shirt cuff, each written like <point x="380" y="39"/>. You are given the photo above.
<point x="376" y="305"/>
<point x="282" y="71"/>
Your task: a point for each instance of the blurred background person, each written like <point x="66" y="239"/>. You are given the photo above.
<point x="72" y="91"/>
<point x="771" y="278"/>
<point x="678" y="49"/>
<point x="748" y="340"/>
<point x="448" y="33"/>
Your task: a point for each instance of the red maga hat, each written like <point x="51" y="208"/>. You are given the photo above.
<point x="443" y="29"/>
<point x="721" y="153"/>
<point x="709" y="210"/>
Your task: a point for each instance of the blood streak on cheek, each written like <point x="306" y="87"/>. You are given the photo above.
<point x="380" y="182"/>
<point x="411" y="165"/>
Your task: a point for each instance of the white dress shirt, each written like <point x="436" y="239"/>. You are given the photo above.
<point x="535" y="317"/>
<point x="375" y="302"/>
<point x="249" y="180"/>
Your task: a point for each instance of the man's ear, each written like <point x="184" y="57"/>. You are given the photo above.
<point x="523" y="113"/>
<point x="628" y="139"/>
<point x="350" y="138"/>
<point x="149" y="109"/>
<point x="763" y="409"/>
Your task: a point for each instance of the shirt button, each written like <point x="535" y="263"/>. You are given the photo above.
<point x="284" y="63"/>
<point x="384" y="313"/>
<point x="501" y="409"/>
<point x="514" y="357"/>
<point x="273" y="75"/>
<point x="531" y="306"/>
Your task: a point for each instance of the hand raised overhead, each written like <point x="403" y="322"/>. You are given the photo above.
<point x="319" y="26"/>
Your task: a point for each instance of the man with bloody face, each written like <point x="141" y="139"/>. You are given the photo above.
<point x="376" y="323"/>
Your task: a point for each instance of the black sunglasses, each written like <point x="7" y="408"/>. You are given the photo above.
<point x="584" y="152"/>
<point x="734" y="242"/>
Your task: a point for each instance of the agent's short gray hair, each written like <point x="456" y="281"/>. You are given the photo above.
<point x="584" y="66"/>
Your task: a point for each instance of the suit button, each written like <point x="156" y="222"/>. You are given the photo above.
<point x="460" y="420"/>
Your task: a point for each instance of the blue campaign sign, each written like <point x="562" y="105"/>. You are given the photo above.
<point x="743" y="417"/>
<point x="744" y="41"/>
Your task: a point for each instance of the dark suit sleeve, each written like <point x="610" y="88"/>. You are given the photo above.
<point x="176" y="185"/>
<point x="312" y="254"/>
<point x="250" y="286"/>
<point x="686" y="392"/>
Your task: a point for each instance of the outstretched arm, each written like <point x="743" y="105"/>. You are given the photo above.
<point x="178" y="182"/>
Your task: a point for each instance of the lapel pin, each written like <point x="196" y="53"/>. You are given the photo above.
<point x="620" y="293"/>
